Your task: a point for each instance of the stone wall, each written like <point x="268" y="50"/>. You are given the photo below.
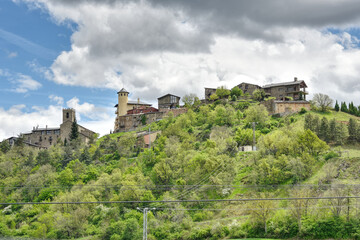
<point x="285" y="107"/>
<point x="132" y="121"/>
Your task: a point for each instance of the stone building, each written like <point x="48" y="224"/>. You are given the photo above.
<point x="48" y="136"/>
<point x="142" y="113"/>
<point x="282" y="91"/>
<point x="209" y="92"/>
<point x="248" y="87"/>
<point x="285" y="107"/>
<point x="168" y="101"/>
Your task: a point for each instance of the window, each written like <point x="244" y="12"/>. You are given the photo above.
<point x="48" y="132"/>
<point x="42" y="132"/>
<point x="67" y="115"/>
<point x="40" y="139"/>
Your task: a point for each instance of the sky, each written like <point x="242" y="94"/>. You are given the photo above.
<point x="58" y="54"/>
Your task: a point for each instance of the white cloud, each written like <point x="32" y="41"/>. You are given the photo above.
<point x="88" y="110"/>
<point x="57" y="99"/>
<point x="156" y="47"/>
<point x="25" y="83"/>
<point x="12" y="55"/>
<point x="18" y="119"/>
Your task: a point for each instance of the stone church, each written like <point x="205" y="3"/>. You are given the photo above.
<point x="43" y="138"/>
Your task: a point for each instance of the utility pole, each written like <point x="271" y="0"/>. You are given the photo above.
<point x="145" y="211"/>
<point x="254" y="139"/>
<point x="149" y="139"/>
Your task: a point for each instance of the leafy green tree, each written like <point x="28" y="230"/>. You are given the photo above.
<point x="258" y="114"/>
<point x="222" y="92"/>
<point x="322" y="101"/>
<point x="309" y="142"/>
<point x="341" y="134"/>
<point x="259" y="94"/>
<point x="244" y="137"/>
<point x="336" y="108"/>
<point x="4" y="146"/>
<point x="236" y="91"/>
<point x="74" y="134"/>
<point x="214" y="97"/>
<point x="43" y="157"/>
<point x="308" y="123"/>
<point x="353" y="129"/>
<point x="190" y="100"/>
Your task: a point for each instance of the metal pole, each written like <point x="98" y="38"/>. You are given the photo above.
<point x="145" y="211"/>
<point x="149" y="139"/>
<point x="254" y="139"/>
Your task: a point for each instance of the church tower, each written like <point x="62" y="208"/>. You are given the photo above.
<point x="123" y="102"/>
<point x="68" y="114"/>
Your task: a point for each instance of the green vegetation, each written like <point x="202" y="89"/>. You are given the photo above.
<point x="196" y="156"/>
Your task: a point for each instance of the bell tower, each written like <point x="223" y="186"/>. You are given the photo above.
<point x="68" y="114"/>
<point x="122" y="102"/>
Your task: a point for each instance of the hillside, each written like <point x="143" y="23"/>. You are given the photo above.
<point x="196" y="157"/>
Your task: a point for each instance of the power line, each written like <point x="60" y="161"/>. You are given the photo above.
<point x="169" y="187"/>
<point x="181" y="201"/>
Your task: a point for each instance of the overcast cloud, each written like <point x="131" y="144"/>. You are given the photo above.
<point x="154" y="47"/>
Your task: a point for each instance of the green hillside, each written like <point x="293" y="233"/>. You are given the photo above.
<point x="196" y="157"/>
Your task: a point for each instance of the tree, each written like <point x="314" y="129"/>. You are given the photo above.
<point x="236" y="91"/>
<point x="191" y="100"/>
<point x="324" y="129"/>
<point x="74" y="134"/>
<point x="258" y="94"/>
<point x="258" y="114"/>
<point x="353" y="129"/>
<point x="344" y="107"/>
<point x="222" y="92"/>
<point x="5" y="146"/>
<point x="214" y="97"/>
<point x="322" y="101"/>
<point x="336" y="108"/>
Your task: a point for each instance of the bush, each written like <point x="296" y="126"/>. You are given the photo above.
<point x="330" y="155"/>
<point x="302" y="111"/>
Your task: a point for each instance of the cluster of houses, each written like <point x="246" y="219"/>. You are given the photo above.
<point x="286" y="97"/>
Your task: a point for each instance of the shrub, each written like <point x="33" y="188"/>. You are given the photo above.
<point x="302" y="111"/>
<point x="330" y="155"/>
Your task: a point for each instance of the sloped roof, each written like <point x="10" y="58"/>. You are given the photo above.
<point x="168" y="95"/>
<point x="123" y="90"/>
<point x="284" y="84"/>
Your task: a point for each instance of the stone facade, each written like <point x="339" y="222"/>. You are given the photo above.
<point x="168" y="101"/>
<point x="46" y="137"/>
<point x="285" y="107"/>
<point x="248" y="87"/>
<point x="131" y="122"/>
<point x="294" y="89"/>
<point x="209" y="92"/>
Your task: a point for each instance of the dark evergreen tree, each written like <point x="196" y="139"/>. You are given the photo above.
<point x="344" y="107"/>
<point x="324" y="130"/>
<point x="336" y="108"/>
<point x="74" y="134"/>
<point x="308" y="121"/>
<point x="315" y="125"/>
<point x="353" y="129"/>
<point x="85" y="156"/>
<point x="332" y="130"/>
<point x="341" y="134"/>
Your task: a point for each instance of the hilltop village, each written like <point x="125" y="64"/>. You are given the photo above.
<point x="281" y="98"/>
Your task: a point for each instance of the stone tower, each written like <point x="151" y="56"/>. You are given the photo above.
<point x="123" y="102"/>
<point x="68" y="115"/>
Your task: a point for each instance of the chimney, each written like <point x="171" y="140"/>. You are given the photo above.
<point x="138" y="100"/>
<point x="295" y="79"/>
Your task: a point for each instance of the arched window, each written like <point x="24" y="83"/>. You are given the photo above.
<point x="67" y="115"/>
